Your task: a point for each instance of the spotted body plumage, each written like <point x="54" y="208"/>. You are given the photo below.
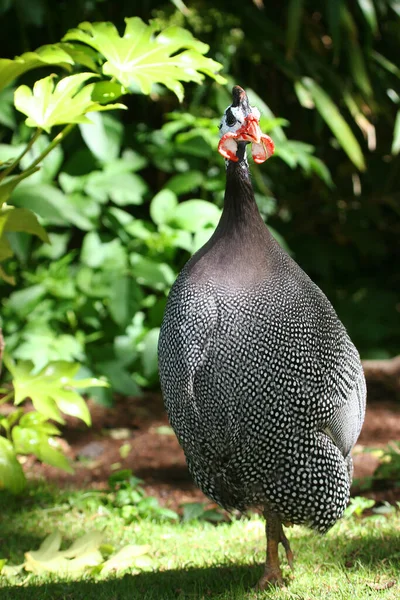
<point x="252" y="378"/>
<point x="261" y="382"/>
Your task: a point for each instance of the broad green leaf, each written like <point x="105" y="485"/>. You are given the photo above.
<point x="106" y="255"/>
<point x="23" y="301"/>
<point x="156" y="275"/>
<point x="331" y="115"/>
<point x="8" y="185"/>
<point x="32" y="441"/>
<point x="124" y="300"/>
<point x="194" y="215"/>
<point x="11" y="474"/>
<point x="162" y="206"/>
<point x="41" y="345"/>
<point x="82" y="55"/>
<point x="7" y="114"/>
<point x="120" y="379"/>
<point x="124" y="190"/>
<point x="103" y="136"/>
<point x="45" y="55"/>
<point x="56" y="208"/>
<point x="295" y="13"/>
<point x="35" y="420"/>
<point x="149" y="353"/>
<point x="21" y="219"/>
<point x="396" y="135"/>
<point x="107" y="91"/>
<point x="185" y="183"/>
<point x="71" y="403"/>
<point x="142" y="58"/>
<point x="5" y="249"/>
<point x="50" y="104"/>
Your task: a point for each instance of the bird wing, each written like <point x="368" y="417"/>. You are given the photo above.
<point x="345" y="425"/>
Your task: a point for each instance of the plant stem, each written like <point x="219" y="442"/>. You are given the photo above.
<point x="11" y="168"/>
<point x="7" y="397"/>
<point x="55" y="141"/>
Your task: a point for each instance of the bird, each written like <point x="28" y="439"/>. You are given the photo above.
<point x="261" y="382"/>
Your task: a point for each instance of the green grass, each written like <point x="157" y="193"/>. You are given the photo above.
<point x="199" y="560"/>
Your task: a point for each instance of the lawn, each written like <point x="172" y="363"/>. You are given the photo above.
<point x="359" y="558"/>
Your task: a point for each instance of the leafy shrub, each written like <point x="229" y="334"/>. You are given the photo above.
<point x="170" y="57"/>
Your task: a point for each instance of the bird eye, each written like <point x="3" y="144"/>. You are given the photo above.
<point x="230" y="119"/>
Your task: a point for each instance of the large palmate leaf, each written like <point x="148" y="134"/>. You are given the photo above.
<point x="140" y="58"/>
<point x="50" y="104"/>
<point x="52" y="389"/>
<point x="45" y="55"/>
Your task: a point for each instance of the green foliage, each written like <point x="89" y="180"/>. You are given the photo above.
<point x="389" y="467"/>
<point x="52" y="392"/>
<point x="128" y="497"/>
<point x="102" y="274"/>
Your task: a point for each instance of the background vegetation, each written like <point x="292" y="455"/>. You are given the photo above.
<point x="124" y="199"/>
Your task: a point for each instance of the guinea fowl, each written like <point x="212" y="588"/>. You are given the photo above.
<point x="262" y="384"/>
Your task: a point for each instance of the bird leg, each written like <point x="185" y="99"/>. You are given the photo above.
<point x="275" y="535"/>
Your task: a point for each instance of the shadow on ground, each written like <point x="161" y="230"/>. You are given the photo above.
<point x="229" y="582"/>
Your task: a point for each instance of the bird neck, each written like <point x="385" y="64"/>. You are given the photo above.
<point x="240" y="208"/>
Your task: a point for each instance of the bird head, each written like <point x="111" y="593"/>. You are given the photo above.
<point x="239" y="127"/>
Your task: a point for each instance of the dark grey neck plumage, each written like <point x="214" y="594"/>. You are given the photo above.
<point x="241" y="249"/>
<point x="240" y="215"/>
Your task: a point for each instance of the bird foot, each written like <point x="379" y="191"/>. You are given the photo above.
<point x="271" y="577"/>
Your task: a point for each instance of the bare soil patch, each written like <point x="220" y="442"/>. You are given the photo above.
<point x="135" y="435"/>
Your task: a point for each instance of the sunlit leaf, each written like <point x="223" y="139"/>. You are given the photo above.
<point x="185" y="183"/>
<point x="45" y="55"/>
<point x="33" y="441"/>
<point x="140" y="57"/>
<point x="21" y="219"/>
<point x="102" y="135"/>
<point x="194" y="215"/>
<point x="162" y="206"/>
<point x="50" y="545"/>
<point x="331" y="115"/>
<point x="11" y="474"/>
<point x="151" y="273"/>
<point x="51" y="389"/>
<point x="149" y="353"/>
<point x="50" y="104"/>
<point x="87" y="543"/>
<point x="8" y="185"/>
<point x="125" y="558"/>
